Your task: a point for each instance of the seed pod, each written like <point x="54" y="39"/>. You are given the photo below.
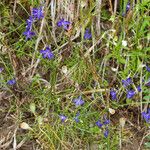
<point x="24" y="126"/>
<point x="64" y="70"/>
<point x="122" y="122"/>
<point x="32" y="107"/>
<point x="112" y="111"/>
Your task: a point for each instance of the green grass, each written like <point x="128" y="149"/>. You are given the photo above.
<point x="43" y="91"/>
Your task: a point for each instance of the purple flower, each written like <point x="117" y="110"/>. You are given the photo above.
<point x="139" y="88"/>
<point x="113" y="95"/>
<point x="38" y="13"/>
<point x="60" y="22"/>
<point x="106" y="133"/>
<point x="77" y="117"/>
<point x="146" y="116"/>
<point x="47" y="53"/>
<point x="106" y="121"/>
<point x="99" y="124"/>
<point x="29" y="23"/>
<point x="148" y="68"/>
<point x="29" y="34"/>
<point x="127" y="7"/>
<point x="11" y="82"/>
<point x="148" y="83"/>
<point x="63" y="23"/>
<point x="78" y="101"/>
<point x="87" y="34"/>
<point x="1" y="69"/>
<point x="126" y="82"/>
<point x="63" y="118"/>
<point x="130" y="93"/>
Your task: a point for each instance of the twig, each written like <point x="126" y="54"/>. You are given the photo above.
<point x="97" y="42"/>
<point x="86" y="92"/>
<point x="34" y="69"/>
<point x="115" y="6"/>
<point x="98" y="17"/>
<point x="111" y="8"/>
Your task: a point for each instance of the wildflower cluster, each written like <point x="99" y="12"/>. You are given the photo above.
<point x="65" y="24"/>
<point x="78" y="102"/>
<point x="63" y="118"/>
<point x="37" y="13"/>
<point x="130" y="92"/>
<point x="104" y="124"/>
<point x="46" y="53"/>
<point x="28" y="32"/>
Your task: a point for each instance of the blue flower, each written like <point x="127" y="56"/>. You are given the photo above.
<point x="146" y="116"/>
<point x="38" y="13"/>
<point x="99" y="124"/>
<point x="127" y="9"/>
<point x="106" y="133"/>
<point x="29" y="34"/>
<point x="113" y="95"/>
<point x="87" y="34"/>
<point x="148" y="68"/>
<point x="139" y="88"/>
<point x="77" y="117"/>
<point x="1" y="69"/>
<point x="130" y="94"/>
<point x="127" y="82"/>
<point x="29" y="23"/>
<point x="63" y="118"/>
<point x="63" y="23"/>
<point x="11" y="82"/>
<point x="78" y="101"/>
<point x="47" y="53"/>
<point x="106" y="121"/>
